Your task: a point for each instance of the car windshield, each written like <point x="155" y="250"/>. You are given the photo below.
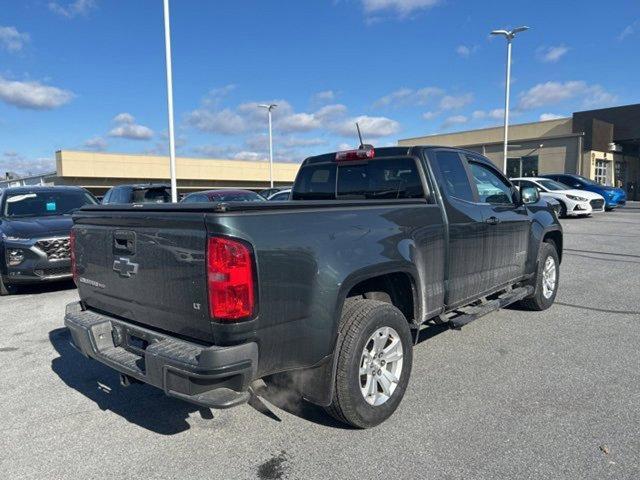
<point x="43" y="204"/>
<point x="588" y="181"/>
<point x="152" y="195"/>
<point x="237" y="197"/>
<point x="553" y="185"/>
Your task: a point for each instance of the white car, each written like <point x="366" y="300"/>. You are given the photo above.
<point x="572" y="202"/>
<point x="280" y="196"/>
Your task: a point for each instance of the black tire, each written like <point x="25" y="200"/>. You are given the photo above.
<point x="4" y="289"/>
<point x="538" y="301"/>
<point x="360" y="319"/>
<point x="563" y="210"/>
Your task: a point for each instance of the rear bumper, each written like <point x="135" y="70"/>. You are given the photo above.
<point x="216" y="377"/>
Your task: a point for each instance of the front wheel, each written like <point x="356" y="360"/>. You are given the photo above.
<point x="4" y="288"/>
<point x="547" y="279"/>
<point x="374" y="359"/>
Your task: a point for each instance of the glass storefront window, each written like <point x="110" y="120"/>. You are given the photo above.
<point x="522" y="167"/>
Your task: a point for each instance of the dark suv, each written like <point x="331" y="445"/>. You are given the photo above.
<point x="34" y="233"/>
<point x="141" y="193"/>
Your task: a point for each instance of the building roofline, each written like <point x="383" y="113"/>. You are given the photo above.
<point x="150" y="155"/>
<point x="46" y="174"/>
<point x="483" y="129"/>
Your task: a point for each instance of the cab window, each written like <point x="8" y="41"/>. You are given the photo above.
<point x="491" y="187"/>
<point x="453" y="175"/>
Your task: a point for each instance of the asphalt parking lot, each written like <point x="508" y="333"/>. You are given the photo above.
<point x="516" y="394"/>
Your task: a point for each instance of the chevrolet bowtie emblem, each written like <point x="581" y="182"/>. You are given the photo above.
<point x="125" y="267"/>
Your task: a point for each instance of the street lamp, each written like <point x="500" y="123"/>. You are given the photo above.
<point x="509" y="35"/>
<point x="172" y="142"/>
<point x="269" y="108"/>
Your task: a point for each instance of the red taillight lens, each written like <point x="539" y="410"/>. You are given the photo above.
<point x="72" y="250"/>
<point x="360" y="154"/>
<point x="230" y="279"/>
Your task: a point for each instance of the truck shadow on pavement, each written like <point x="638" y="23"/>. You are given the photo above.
<point x="141" y="404"/>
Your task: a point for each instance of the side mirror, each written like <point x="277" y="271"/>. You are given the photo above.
<point x="529" y="195"/>
<point x="515" y="195"/>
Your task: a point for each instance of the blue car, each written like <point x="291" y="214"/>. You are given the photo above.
<point x="613" y="197"/>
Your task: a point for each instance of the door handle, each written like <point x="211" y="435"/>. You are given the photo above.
<point x="492" y="220"/>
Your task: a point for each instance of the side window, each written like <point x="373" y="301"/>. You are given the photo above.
<point x="107" y="196"/>
<point x="453" y="175"/>
<point x="491" y="187"/>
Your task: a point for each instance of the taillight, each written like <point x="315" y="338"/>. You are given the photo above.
<point x="72" y="250"/>
<point x="360" y="154"/>
<point x="230" y="279"/>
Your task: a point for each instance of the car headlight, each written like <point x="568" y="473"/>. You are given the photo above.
<point x="15" y="256"/>
<point x="12" y="239"/>
<point x="577" y="199"/>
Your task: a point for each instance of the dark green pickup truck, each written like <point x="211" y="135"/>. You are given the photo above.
<point x="330" y="288"/>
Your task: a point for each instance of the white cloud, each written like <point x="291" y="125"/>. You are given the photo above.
<point x="454" y="102"/>
<point x="629" y="30"/>
<point x="552" y="93"/>
<point x="33" y="95"/>
<point x="224" y="121"/>
<point x="16" y="163"/>
<point x="409" y="96"/>
<point x="465" y="51"/>
<point x="400" y="7"/>
<point x="371" y="127"/>
<point x="96" y="143"/>
<point x="495" y="114"/>
<point x="430" y="115"/>
<point x="454" y="120"/>
<point x="299" y="122"/>
<point x="216" y="95"/>
<point x="549" y="116"/>
<point x="124" y="118"/>
<point x="552" y="54"/>
<point x="325" y="96"/>
<point x="12" y="40"/>
<point x="72" y="9"/>
<point x="127" y="128"/>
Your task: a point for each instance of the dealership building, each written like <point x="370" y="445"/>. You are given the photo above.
<point x="603" y="145"/>
<point x="100" y="171"/>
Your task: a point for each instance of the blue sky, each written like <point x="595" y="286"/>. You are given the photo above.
<point x="89" y="74"/>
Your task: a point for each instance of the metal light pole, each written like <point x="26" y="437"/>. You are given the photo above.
<point x="172" y="142"/>
<point x="509" y="35"/>
<point x="269" y="108"/>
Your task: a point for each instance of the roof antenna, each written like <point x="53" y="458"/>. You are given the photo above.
<point x="363" y="146"/>
<point x="359" y="136"/>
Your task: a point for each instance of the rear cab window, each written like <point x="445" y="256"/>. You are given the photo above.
<point x="379" y="179"/>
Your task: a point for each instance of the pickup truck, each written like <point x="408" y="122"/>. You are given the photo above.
<point x="329" y="289"/>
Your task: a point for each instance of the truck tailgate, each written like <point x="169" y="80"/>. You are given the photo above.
<point x="148" y="267"/>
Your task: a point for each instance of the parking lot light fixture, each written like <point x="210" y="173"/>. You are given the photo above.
<point x="509" y="35"/>
<point x="172" y="142"/>
<point x="270" y="107"/>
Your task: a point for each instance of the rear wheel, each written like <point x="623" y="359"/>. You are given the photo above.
<point x="547" y="279"/>
<point x="373" y="365"/>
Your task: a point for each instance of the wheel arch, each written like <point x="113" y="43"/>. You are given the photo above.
<point x="316" y="384"/>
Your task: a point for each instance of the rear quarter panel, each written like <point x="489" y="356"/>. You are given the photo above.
<point x="309" y="259"/>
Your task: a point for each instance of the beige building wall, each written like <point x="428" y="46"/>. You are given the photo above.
<point x="524" y="131"/>
<point x="553" y="142"/>
<point x="99" y="171"/>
